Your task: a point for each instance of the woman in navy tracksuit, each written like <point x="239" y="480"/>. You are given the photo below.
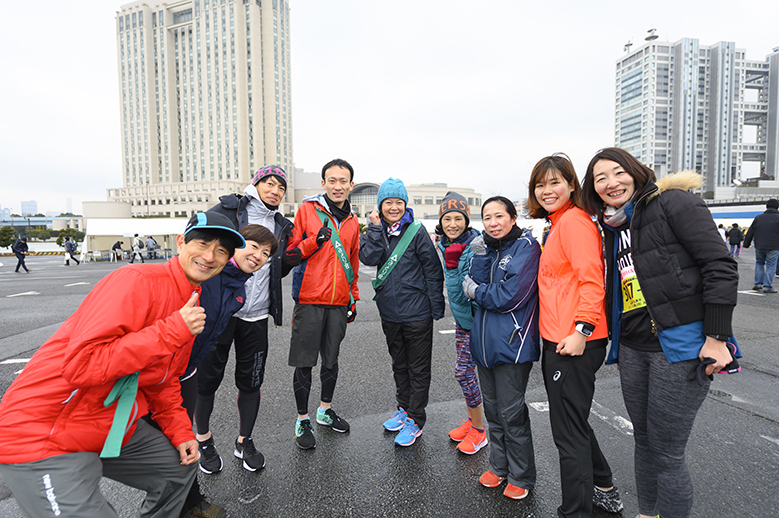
<point x="505" y="340"/>
<point x="409" y="299"/>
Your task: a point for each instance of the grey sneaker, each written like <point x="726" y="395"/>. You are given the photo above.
<point x="769" y="290"/>
<point x="609" y="500"/>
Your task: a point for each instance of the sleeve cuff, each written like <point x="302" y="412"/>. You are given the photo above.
<point x="718" y="319"/>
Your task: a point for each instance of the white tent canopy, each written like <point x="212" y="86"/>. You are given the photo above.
<point x="102" y="233"/>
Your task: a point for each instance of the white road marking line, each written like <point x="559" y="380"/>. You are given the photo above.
<point x="447" y="331"/>
<point x="14" y="360"/>
<point x="541" y="406"/>
<point x="775" y="441"/>
<point x="20" y="294"/>
<point x="75" y="284"/>
<point x="613" y="419"/>
<point x="750" y="292"/>
<point x="18" y="372"/>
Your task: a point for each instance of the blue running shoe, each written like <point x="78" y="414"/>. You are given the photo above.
<point x="408" y="434"/>
<point x="396" y="422"/>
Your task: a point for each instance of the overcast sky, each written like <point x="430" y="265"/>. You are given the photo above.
<point x="464" y="92"/>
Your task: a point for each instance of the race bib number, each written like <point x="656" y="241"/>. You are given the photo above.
<point x="632" y="296"/>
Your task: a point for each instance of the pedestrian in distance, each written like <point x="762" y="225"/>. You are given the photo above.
<point x="247" y="327"/>
<point x="324" y="287"/>
<point x="116" y="251"/>
<point x="669" y="324"/>
<point x="409" y="295"/>
<point x="70" y="251"/>
<point x="722" y="232"/>
<point x="502" y="280"/>
<point x="764" y="230"/>
<point x="115" y="359"/>
<point x="222" y="296"/>
<point x="151" y="247"/>
<point x="455" y="236"/>
<point x="574" y="334"/>
<point x="137" y="246"/>
<point x="20" y="250"/>
<point x="735" y="238"/>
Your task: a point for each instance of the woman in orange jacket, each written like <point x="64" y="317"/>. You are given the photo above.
<point x="574" y="333"/>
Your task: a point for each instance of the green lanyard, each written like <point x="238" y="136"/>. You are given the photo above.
<point x="125" y="390"/>
<point x="340" y="251"/>
<point x="397" y="253"/>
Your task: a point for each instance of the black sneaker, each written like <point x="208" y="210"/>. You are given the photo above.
<point x="210" y="461"/>
<point x="252" y="459"/>
<point x="304" y="436"/>
<point x="757" y="287"/>
<point x="205" y="509"/>
<point x="609" y="500"/>
<point x="329" y="418"/>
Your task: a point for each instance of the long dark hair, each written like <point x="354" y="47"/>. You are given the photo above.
<point x="642" y="175"/>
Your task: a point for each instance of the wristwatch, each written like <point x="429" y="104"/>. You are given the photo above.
<point x="585" y="328"/>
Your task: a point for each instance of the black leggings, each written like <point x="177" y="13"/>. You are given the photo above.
<point x="251" y="349"/>
<point x="301" y="383"/>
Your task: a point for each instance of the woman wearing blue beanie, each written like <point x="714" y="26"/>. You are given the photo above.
<point x="409" y="294"/>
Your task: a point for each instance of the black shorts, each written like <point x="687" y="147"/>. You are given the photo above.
<point x="316" y="329"/>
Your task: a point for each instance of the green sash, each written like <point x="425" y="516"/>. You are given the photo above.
<point x="125" y="390"/>
<point x="340" y="251"/>
<point x="396" y="253"/>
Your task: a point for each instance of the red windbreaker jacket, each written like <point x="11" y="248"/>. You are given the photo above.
<point x="129" y="322"/>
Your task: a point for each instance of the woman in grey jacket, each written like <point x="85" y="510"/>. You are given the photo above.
<point x="409" y="295"/>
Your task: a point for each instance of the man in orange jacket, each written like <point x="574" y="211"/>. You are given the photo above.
<point x="324" y="287"/>
<point x="71" y="417"/>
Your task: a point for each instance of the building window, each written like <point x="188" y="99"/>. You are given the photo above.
<point x="417" y="200"/>
<point x="429" y="200"/>
<point x="182" y="16"/>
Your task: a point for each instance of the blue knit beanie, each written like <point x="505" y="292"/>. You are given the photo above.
<point x="392" y="188"/>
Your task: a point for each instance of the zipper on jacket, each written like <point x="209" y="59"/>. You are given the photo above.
<point x="484" y="312"/>
<point x="640" y="282"/>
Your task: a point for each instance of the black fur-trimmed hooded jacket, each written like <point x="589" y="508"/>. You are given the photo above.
<point x="683" y="267"/>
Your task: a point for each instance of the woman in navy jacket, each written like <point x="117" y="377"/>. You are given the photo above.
<point x="503" y="282"/>
<point x="409" y="299"/>
<point x="670" y="294"/>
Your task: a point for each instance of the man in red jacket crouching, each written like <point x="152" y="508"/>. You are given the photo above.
<point x="71" y="417"/>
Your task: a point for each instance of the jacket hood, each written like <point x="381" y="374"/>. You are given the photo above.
<point x="683" y="180"/>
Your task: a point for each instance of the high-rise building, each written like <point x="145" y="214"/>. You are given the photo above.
<point x="683" y="105"/>
<point x="205" y="100"/>
<point x="29" y="208"/>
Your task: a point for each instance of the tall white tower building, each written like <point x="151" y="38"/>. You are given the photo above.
<point x="205" y="100"/>
<point x="685" y="106"/>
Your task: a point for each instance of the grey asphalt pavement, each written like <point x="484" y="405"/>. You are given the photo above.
<point x="733" y="454"/>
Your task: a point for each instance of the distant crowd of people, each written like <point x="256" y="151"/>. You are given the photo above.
<point x="119" y="387"/>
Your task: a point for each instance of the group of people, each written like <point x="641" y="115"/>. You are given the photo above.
<point x="119" y="359"/>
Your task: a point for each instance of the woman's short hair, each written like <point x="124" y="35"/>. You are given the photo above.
<point x="561" y="164"/>
<point x="507" y="204"/>
<point x="260" y="235"/>
<point x="642" y="175"/>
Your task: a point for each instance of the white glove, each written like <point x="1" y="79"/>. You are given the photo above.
<point x="469" y="286"/>
<point x="477" y="245"/>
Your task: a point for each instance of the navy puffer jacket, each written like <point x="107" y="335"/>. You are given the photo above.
<point x="414" y="290"/>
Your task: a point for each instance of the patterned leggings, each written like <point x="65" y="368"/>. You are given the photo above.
<point x="465" y="368"/>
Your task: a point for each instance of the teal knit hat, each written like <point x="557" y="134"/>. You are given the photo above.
<point x="392" y="188"/>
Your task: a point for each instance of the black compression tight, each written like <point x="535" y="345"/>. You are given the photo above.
<point x="301" y="384"/>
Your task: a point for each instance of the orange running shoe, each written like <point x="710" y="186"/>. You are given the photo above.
<point x="514" y="492"/>
<point x="459" y="433"/>
<point x="473" y="442"/>
<point x="490" y="479"/>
